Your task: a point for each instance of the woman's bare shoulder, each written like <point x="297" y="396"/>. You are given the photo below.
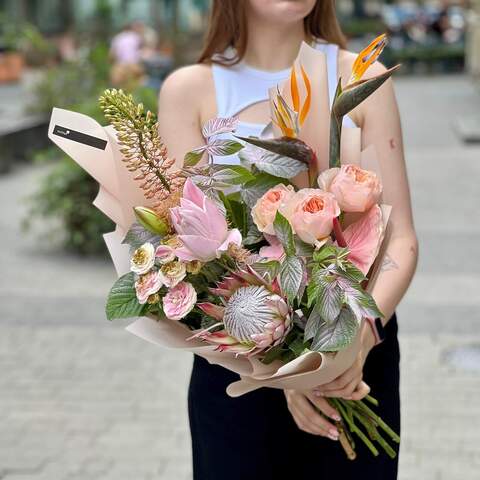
<point x="190" y="87"/>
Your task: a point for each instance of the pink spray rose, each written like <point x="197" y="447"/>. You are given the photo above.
<point x="179" y="301"/>
<point x="264" y="211"/>
<point x="165" y="253"/>
<point x="311" y="212"/>
<point x="147" y="285"/>
<point x="355" y="189"/>
<point x="201" y="227"/>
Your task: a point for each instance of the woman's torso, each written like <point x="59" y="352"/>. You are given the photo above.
<point x="240" y="87"/>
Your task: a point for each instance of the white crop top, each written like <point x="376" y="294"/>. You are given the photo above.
<point x="240" y="86"/>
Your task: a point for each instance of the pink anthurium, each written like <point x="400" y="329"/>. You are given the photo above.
<point x="364" y="238"/>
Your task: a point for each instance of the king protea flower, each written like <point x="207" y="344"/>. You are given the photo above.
<point x="254" y="317"/>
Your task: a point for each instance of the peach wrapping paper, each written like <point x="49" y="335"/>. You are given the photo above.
<point x="119" y="193"/>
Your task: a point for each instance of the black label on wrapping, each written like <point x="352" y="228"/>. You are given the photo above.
<point x="80" y="137"/>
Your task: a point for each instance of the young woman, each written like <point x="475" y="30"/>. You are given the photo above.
<point x="270" y="434"/>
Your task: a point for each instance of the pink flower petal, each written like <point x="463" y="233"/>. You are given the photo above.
<point x="364" y="238"/>
<point x="212" y="310"/>
<point x="234" y="236"/>
<point x="193" y="193"/>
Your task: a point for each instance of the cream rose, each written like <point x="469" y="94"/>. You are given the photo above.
<point x="143" y="259"/>
<point x="173" y="273"/>
<point x="355" y="189"/>
<point x="264" y="211"/>
<point x="311" y="212"/>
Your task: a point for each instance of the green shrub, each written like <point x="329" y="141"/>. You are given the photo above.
<point x="67" y="192"/>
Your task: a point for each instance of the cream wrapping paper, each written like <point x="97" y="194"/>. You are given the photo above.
<point x="95" y="149"/>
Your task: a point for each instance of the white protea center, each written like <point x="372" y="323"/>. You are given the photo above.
<point x="256" y="315"/>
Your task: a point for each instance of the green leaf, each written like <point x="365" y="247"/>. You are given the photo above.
<point x="303" y="249"/>
<point x="361" y="302"/>
<point x="254" y="189"/>
<point x="138" y="235"/>
<point x="254" y="235"/>
<point x="223" y="148"/>
<point x="239" y="216"/>
<point x="327" y="252"/>
<point x="313" y="324"/>
<point x="193" y="157"/>
<point x="269" y="269"/>
<point x="233" y="175"/>
<point x="351" y="272"/>
<point x="122" y="300"/>
<point x="329" y="300"/>
<point x="336" y="336"/>
<point x="273" y="354"/>
<point x="291" y="276"/>
<point x="284" y="233"/>
<point x="273" y="163"/>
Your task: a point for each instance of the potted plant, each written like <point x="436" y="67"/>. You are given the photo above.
<point x="11" y="59"/>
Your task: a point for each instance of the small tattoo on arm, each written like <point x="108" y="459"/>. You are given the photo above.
<point x="388" y="263"/>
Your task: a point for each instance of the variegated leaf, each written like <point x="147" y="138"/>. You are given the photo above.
<point x="280" y="166"/>
<point x="360" y="302"/>
<point x="222" y="148"/>
<point x="218" y="125"/>
<point x="194" y="156"/>
<point x="284" y="233"/>
<point x="138" y="235"/>
<point x="291" y="275"/>
<point x="329" y="300"/>
<point x="233" y="175"/>
<point x="313" y="324"/>
<point x="338" y="335"/>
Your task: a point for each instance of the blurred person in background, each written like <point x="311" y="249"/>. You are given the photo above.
<point x="126" y="54"/>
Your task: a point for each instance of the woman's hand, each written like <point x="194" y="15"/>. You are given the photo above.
<point x="349" y="385"/>
<point x="302" y="407"/>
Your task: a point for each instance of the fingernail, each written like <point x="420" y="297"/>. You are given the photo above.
<point x="336" y="417"/>
<point x="333" y="432"/>
<point x="318" y="394"/>
<point x="333" y="437"/>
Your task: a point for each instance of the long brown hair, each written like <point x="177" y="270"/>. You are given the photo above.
<point x="228" y="28"/>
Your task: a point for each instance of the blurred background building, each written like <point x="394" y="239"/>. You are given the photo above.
<point x="82" y="400"/>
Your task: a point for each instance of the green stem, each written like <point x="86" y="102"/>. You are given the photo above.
<point x="343" y="410"/>
<point x="372" y="400"/>
<point x="361" y="405"/>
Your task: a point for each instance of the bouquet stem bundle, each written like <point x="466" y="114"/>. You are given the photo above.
<point x="353" y="411"/>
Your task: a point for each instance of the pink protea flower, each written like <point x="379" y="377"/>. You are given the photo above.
<point x="255" y="316"/>
<point x="201" y="227"/>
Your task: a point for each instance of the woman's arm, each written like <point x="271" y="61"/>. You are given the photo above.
<point x="379" y="119"/>
<point x="185" y="98"/>
<point x="381" y="127"/>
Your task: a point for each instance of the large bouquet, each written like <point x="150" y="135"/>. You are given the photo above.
<point x="238" y="264"/>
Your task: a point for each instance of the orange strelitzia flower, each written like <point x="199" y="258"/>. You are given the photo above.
<point x="289" y="119"/>
<point x="366" y="57"/>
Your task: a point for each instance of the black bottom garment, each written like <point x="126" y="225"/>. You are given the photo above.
<point x="254" y="436"/>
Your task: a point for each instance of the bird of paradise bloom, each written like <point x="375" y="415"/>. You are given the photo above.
<point x="290" y="119"/>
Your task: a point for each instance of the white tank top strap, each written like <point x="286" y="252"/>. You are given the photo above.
<point x="240" y="86"/>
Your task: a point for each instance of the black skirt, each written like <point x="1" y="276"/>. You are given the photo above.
<point x="254" y="436"/>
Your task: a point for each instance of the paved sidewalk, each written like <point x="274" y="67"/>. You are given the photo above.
<point x="80" y="399"/>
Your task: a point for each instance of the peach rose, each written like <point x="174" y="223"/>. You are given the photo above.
<point x="355" y="189"/>
<point x="311" y="212"/>
<point x="264" y="211"/>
